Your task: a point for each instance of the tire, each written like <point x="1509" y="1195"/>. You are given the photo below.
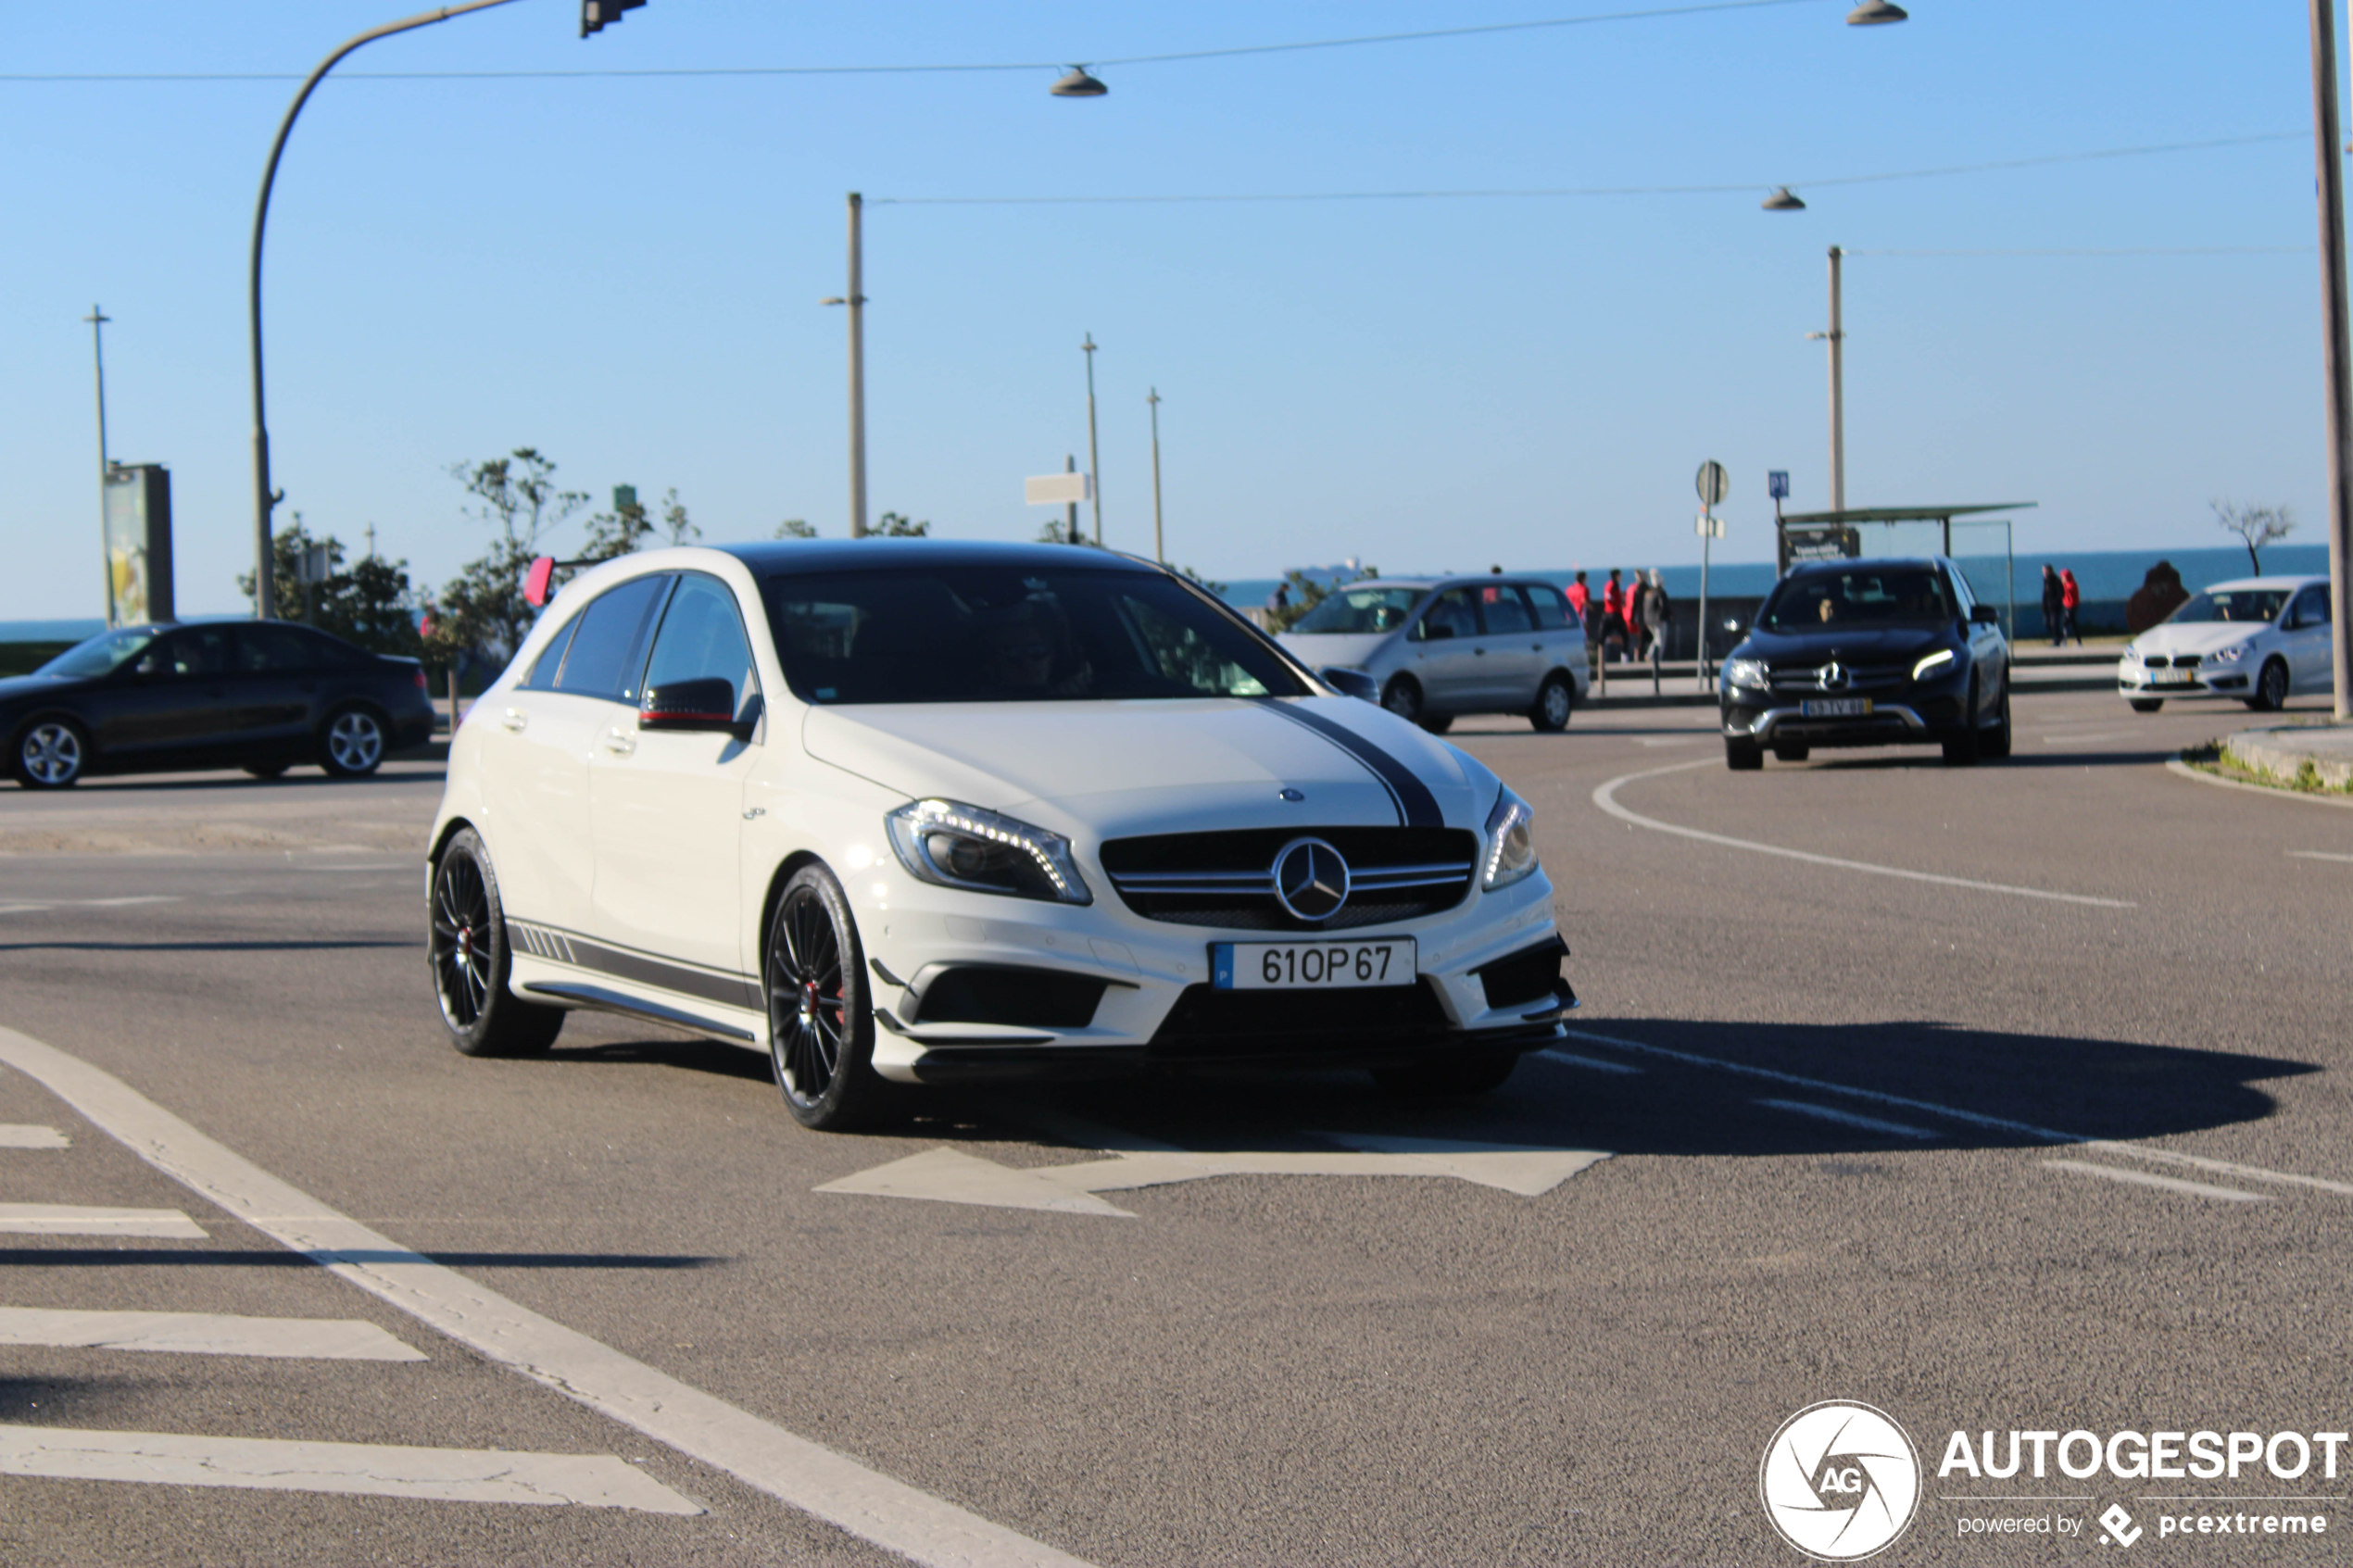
<point x="1996" y="741"/>
<point x="352" y="744"/>
<point x="1963" y="749"/>
<point x="267" y="770"/>
<point x="2144" y="704"/>
<point x="1466" y="1073"/>
<point x="1743" y="756"/>
<point x="1554" y="700"/>
<point x="466" y="944"/>
<point x="1403" y="698"/>
<point x="50" y="754"/>
<point x="1438" y="724"/>
<point x="1793" y="753"/>
<point x="820" y="1032"/>
<point x="2270" y="688"/>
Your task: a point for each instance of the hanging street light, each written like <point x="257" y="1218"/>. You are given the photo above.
<point x="1784" y="199"/>
<point x="1078" y="85"/>
<point x="1873" y="12"/>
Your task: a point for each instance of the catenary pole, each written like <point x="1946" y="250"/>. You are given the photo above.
<point x="1838" y="392"/>
<point x="265" y="604"/>
<point x="1094" y="462"/>
<point x="98" y="319"/>
<point x="856" y="301"/>
<point x="1160" y="549"/>
<point x="2335" y="352"/>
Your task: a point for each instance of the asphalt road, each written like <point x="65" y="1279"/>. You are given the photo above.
<point x="1833" y="1100"/>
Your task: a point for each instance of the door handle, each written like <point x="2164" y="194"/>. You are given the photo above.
<point x="516" y="720"/>
<point x="619" y="743"/>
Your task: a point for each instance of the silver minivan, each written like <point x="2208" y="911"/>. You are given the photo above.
<point x="1438" y="648"/>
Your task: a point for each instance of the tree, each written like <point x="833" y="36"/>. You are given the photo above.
<point x="2256" y="526"/>
<point x="482" y="610"/>
<point x="617" y="533"/>
<point x="518" y="493"/>
<point x="1051" y="531"/>
<point x="795" y="528"/>
<point x="894" y="526"/>
<point x="673" y="519"/>
<point x="369" y="604"/>
<point x="1306" y="593"/>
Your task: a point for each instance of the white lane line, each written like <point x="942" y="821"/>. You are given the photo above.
<point x="806" y="1476"/>
<point x="1606" y="798"/>
<point x="66" y="1219"/>
<point x="205" y="1333"/>
<point x="2085" y="740"/>
<point x="1570" y="1059"/>
<point x="1998" y="1124"/>
<point x="21" y="909"/>
<point x="365" y="1469"/>
<point x="1848" y="1118"/>
<point x="1666" y="740"/>
<point x="2319" y="854"/>
<point x="16" y="1135"/>
<point x="125" y="903"/>
<point x="2169" y="1184"/>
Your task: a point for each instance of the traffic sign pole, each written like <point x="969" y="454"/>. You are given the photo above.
<point x="1713" y="485"/>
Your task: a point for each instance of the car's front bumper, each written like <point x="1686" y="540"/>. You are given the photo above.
<point x="2221" y="680"/>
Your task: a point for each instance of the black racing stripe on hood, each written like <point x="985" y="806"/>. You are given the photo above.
<point x="1416" y="806"/>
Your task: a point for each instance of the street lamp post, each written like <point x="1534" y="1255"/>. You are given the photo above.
<point x="2334" y="354"/>
<point x="265" y="604"/>
<point x="1094" y="462"/>
<point x="1837" y="339"/>
<point x="98" y="319"/>
<point x="856" y="302"/>
<point x="1160" y="551"/>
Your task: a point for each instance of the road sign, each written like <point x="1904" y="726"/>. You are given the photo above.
<point x="312" y="566"/>
<point x="1777" y="484"/>
<point x="1713" y="483"/>
<point x="1058" y="489"/>
<point x="1709" y="526"/>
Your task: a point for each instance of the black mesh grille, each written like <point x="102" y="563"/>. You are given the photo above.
<point x="1447" y="859"/>
<point x="1207" y="1024"/>
<point x="1034" y="998"/>
<point x="1525" y="976"/>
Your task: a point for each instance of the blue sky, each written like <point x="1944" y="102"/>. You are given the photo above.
<point x="626" y="273"/>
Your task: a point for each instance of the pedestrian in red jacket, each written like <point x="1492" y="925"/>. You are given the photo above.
<point x="1614" y="614"/>
<point x="2070" y="600"/>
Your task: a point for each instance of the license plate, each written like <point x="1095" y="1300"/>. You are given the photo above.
<point x="1311" y="966"/>
<point x="1837" y="707"/>
<point x="2171" y="677"/>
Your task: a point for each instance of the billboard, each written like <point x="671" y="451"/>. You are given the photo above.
<point x="138" y="544"/>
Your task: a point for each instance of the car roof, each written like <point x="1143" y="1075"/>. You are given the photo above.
<point x="1420" y="585"/>
<point x="2237" y="582"/>
<point x="778" y="557"/>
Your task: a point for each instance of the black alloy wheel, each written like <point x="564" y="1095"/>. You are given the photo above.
<point x="1743" y="756"/>
<point x="352" y="746"/>
<point x="1403" y="698"/>
<point x="820" y="1031"/>
<point x="1963" y="749"/>
<point x="51" y="754"/>
<point x="1554" y="700"/>
<point x="466" y="942"/>
<point x="2270" y="688"/>
<point x="1467" y="1071"/>
<point x="1996" y="742"/>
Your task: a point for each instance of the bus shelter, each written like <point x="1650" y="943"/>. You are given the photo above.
<point x="1860" y="532"/>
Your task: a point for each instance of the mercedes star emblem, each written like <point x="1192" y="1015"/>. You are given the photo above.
<point x="1311" y="878"/>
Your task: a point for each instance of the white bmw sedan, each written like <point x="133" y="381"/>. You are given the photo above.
<point x="2258" y="639"/>
<point x="907" y="811"/>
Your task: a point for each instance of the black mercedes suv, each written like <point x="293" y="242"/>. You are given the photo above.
<point x="1868" y="653"/>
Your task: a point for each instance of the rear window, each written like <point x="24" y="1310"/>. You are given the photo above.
<point x="1011" y="633"/>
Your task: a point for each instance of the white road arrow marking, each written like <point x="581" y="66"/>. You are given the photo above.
<point x="950" y="1175"/>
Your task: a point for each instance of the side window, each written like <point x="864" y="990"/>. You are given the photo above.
<point x="551" y="659"/>
<point x="199" y="651"/>
<point x="2311" y="608"/>
<point x="702" y="638"/>
<point x="1452" y="614"/>
<point x="610" y="648"/>
<point x="1503" y="610"/>
<point x="1550" y="609"/>
<point x="265" y="649"/>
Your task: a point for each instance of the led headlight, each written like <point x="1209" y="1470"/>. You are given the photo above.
<point x="953" y="844"/>
<point x="1748" y="673"/>
<point x="1933" y="664"/>
<point x="2231" y="655"/>
<point x="1510" y="843"/>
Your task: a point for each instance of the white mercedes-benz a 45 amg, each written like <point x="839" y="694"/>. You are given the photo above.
<point x="914" y="811"/>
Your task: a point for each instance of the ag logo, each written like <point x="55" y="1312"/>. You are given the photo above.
<point x="1840" y="1481"/>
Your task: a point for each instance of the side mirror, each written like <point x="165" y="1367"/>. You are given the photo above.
<point x="704" y="705"/>
<point x="1351" y="682"/>
<point x="1985" y="615"/>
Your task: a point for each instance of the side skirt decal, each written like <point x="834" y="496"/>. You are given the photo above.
<point x="580" y="952"/>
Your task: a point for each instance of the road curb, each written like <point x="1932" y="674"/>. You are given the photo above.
<point x="2275" y="792"/>
<point x="2274" y="752"/>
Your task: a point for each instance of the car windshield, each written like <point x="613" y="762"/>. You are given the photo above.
<point x="1011" y="633"/>
<point x="1872" y="596"/>
<point x="1360" y="611"/>
<point x="102" y="655"/>
<point x="2250" y="605"/>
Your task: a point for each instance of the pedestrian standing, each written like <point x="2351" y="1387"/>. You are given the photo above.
<point x="2054" y="604"/>
<point x="1613" y="616"/>
<point x="1579" y="597"/>
<point x="1657" y="611"/>
<point x="2070" y="600"/>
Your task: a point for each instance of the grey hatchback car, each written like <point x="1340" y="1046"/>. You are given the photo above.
<point x="1438" y="648"/>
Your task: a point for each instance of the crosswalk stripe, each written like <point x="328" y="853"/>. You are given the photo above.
<point x="368" y="1469"/>
<point x="66" y="1219"/>
<point x="214" y="1333"/>
<point x="13" y="1136"/>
